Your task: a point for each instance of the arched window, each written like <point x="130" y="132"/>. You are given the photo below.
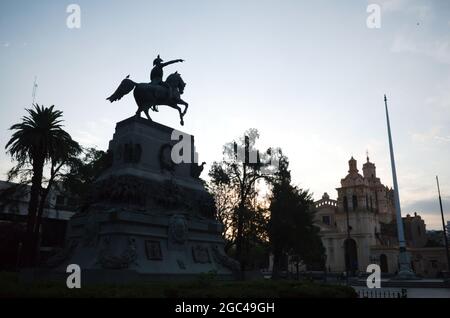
<point x="345" y="204"/>
<point x="354" y="202"/>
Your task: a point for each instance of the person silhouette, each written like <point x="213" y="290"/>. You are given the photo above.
<point x="156" y="75"/>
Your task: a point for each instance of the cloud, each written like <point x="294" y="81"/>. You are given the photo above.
<point x="433" y="134"/>
<point x="5" y="165"/>
<point x="432" y="221"/>
<point x="89" y="136"/>
<point x="422" y="12"/>
<point x="429" y="205"/>
<point x="414" y="8"/>
<point x="391" y="5"/>
<point x="426" y="42"/>
<point x="442" y="138"/>
<point x="436" y="49"/>
<point x="428" y="209"/>
<point x="438" y="103"/>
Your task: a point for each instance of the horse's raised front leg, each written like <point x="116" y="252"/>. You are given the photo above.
<point x="179" y="112"/>
<point x="186" y="105"/>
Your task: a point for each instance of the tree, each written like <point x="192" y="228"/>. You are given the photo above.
<point x="290" y="228"/>
<point x="66" y="152"/>
<point x="37" y="140"/>
<point x="226" y="201"/>
<point x="234" y="181"/>
<point x="83" y="171"/>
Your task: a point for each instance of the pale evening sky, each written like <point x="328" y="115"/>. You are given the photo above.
<point x="309" y="75"/>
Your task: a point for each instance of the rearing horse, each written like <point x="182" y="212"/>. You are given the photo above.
<point x="149" y="95"/>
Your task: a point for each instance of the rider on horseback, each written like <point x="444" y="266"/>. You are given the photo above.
<point x="156" y="75"/>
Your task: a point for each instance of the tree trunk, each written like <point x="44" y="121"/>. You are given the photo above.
<point x="41" y="208"/>
<point x="228" y="246"/>
<point x="36" y="184"/>
<point x="239" y="238"/>
<point x="277" y="258"/>
<point x="37" y="225"/>
<point x="240" y="225"/>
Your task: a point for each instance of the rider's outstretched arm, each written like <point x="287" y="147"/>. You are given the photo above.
<point x="171" y="62"/>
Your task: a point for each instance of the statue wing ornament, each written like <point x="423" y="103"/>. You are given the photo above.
<point x="124" y="88"/>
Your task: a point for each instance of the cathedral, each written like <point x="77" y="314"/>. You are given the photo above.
<point x="359" y="228"/>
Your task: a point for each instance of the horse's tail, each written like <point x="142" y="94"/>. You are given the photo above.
<point x="124" y="88"/>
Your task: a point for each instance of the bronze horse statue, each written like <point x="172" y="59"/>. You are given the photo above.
<point x="148" y="95"/>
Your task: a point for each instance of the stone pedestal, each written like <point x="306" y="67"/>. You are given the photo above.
<point x="404" y="262"/>
<point x="148" y="217"/>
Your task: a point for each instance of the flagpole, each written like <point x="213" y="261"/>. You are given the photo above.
<point x="405" y="271"/>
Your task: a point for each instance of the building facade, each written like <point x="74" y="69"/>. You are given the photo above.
<point x="359" y="227"/>
<point x="14" y="200"/>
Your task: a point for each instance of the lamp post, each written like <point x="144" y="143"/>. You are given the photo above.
<point x="405" y="271"/>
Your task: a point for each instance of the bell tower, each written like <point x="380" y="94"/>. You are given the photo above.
<point x="369" y="170"/>
<point x="352" y="166"/>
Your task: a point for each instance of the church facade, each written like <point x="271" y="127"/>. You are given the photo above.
<point x="359" y="227"/>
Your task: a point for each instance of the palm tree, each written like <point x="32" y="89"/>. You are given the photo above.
<point x="39" y="138"/>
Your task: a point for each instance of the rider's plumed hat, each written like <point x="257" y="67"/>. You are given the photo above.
<point x="158" y="59"/>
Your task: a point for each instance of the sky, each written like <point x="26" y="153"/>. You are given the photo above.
<point x="309" y="75"/>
